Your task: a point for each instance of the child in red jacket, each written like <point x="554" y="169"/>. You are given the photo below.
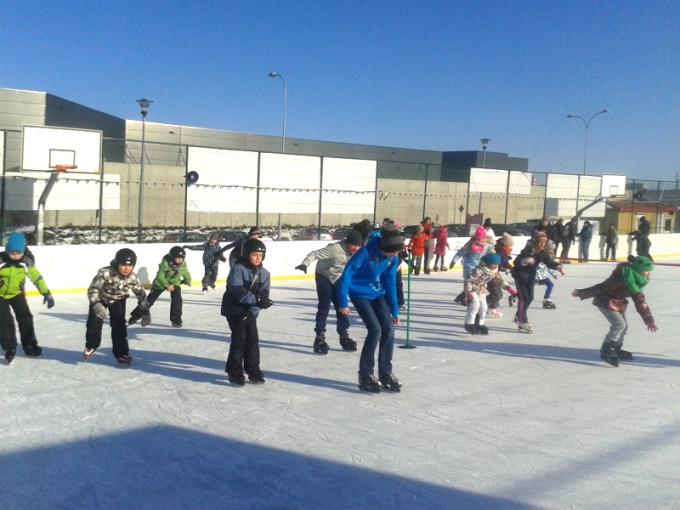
<point x="442" y="237"/>
<point x="416" y="247"/>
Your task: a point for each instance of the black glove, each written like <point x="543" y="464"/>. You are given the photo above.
<point x="221" y="257"/>
<point x="302" y="268"/>
<point x="265" y="303"/>
<point x="48" y="300"/>
<point x="143" y="304"/>
<point x="146" y="320"/>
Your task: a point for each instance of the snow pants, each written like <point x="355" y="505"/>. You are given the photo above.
<point x="244" y="350"/>
<point x="175" y="305"/>
<point x="210" y="275"/>
<point x="94" y="325"/>
<point x="24" y="318"/>
<point x="327" y="293"/>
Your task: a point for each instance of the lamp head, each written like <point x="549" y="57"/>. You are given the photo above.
<point x="484" y="142"/>
<point x="144" y="105"/>
<point x="273" y="74"/>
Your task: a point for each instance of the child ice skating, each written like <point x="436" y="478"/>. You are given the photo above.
<point x="416" y="246"/>
<point x="627" y="280"/>
<point x="15" y="267"/>
<point x="471" y="253"/>
<point x="442" y="238"/>
<point x="172" y="272"/>
<point x="247" y="293"/>
<point x="331" y="262"/>
<point x="369" y="280"/>
<point x="503" y="248"/>
<point x="212" y="255"/>
<point x="107" y="295"/>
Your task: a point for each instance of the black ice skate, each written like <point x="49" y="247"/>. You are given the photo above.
<point x="347" y="344"/>
<point x="237" y="378"/>
<point x="320" y="345"/>
<point x="33" y="350"/>
<point x="9" y="355"/>
<point x="482" y="330"/>
<point x="624" y="355"/>
<point x="461" y="299"/>
<point x="256" y="376"/>
<point x="608" y="354"/>
<point x="124" y="359"/>
<point x="549" y="304"/>
<point x="88" y="353"/>
<point x="176" y="324"/>
<point x="369" y="383"/>
<point x="470" y="328"/>
<point x="390" y="383"/>
<point x="132" y="320"/>
<point x="146" y="320"/>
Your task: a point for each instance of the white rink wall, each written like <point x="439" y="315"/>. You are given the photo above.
<point x="72" y="267"/>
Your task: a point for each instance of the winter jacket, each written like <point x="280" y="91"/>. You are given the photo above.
<point x="470" y="259"/>
<point x="211" y="253"/>
<point x="247" y="289"/>
<point x="612" y="294"/>
<point x="13" y="276"/>
<point x="368" y="275"/>
<point x="612" y="237"/>
<point x="442" y="243"/>
<point x="644" y="226"/>
<point x="109" y="286"/>
<point x="170" y="273"/>
<point x="569" y="232"/>
<point x="527" y="262"/>
<point x="586" y="233"/>
<point x="480" y="278"/>
<point x="331" y="260"/>
<point x="416" y="244"/>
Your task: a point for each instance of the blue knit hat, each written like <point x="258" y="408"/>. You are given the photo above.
<point x="16" y="242"/>
<point x="492" y="259"/>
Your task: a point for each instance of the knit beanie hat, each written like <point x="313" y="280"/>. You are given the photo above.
<point x="492" y="259"/>
<point x="640" y="264"/>
<point x="16" y="242"/>
<point x="508" y="240"/>
<point x="354" y="238"/>
<point x="480" y="234"/>
<point x="364" y="228"/>
<point x="391" y="239"/>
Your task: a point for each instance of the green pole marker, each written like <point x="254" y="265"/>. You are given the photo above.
<point x="408" y="344"/>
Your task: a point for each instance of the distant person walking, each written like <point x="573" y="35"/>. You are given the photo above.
<point x="568" y="237"/>
<point x="585" y="236"/>
<point x="612" y="241"/>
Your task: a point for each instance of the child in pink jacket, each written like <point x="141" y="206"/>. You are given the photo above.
<point x="440" y="248"/>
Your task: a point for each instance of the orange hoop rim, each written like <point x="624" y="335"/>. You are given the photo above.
<point x="64" y="168"/>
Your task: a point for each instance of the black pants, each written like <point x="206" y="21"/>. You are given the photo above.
<point x="327" y="293"/>
<point x="565" y="249"/>
<point x="400" y="289"/>
<point x="210" y="275"/>
<point x="525" y="291"/>
<point x="25" y="319"/>
<point x="244" y="350"/>
<point x="610" y="248"/>
<point x="93" y="333"/>
<point x="493" y="298"/>
<point x="175" y="304"/>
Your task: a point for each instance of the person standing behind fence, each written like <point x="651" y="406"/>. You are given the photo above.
<point x="568" y="237"/>
<point x="429" y="243"/>
<point x="584" y="236"/>
<point x="559" y="234"/>
<point x="612" y="241"/>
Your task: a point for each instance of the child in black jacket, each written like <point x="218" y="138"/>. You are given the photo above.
<point x="212" y="255"/>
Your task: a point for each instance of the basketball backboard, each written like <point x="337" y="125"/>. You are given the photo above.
<point x="613" y="186"/>
<point x="45" y="148"/>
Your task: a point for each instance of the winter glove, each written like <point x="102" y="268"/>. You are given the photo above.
<point x="652" y="327"/>
<point x="48" y="300"/>
<point x="146" y="320"/>
<point x="302" y="268"/>
<point x="265" y="303"/>
<point x="101" y="311"/>
<point x="221" y="257"/>
<point x="143" y="304"/>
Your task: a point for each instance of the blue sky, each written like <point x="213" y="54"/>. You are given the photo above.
<point x="428" y="75"/>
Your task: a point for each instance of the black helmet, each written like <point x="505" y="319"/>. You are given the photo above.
<point x="126" y="257"/>
<point x="251" y="245"/>
<point x="177" y="252"/>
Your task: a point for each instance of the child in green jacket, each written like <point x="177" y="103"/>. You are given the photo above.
<point x="15" y="266"/>
<point x="172" y="272"/>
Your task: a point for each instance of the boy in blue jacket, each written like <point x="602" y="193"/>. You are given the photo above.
<point x="369" y="281"/>
<point x="247" y="293"/>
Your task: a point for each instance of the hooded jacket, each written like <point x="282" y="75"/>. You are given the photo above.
<point x="331" y="260"/>
<point x="247" y="286"/>
<point x="170" y="273"/>
<point x="13" y="276"/>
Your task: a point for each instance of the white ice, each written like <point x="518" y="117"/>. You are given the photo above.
<point x="509" y="420"/>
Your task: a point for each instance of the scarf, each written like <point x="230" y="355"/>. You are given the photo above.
<point x="634" y="281"/>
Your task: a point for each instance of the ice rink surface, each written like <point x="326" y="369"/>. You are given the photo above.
<point x="504" y="421"/>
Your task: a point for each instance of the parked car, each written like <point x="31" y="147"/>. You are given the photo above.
<point x="229" y="236"/>
<point x="312" y="234"/>
<point x="339" y="234"/>
<point x="457" y="230"/>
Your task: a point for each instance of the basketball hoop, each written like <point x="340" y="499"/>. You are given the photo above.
<point x="64" y="168"/>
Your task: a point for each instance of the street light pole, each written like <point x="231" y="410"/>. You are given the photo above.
<point x="485" y="144"/>
<point x="144" y="108"/>
<point x="274" y="74"/>
<point x="586" y="124"/>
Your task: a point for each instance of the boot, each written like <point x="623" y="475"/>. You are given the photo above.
<point x="9" y="354"/>
<point x="470" y="328"/>
<point x="320" y="345"/>
<point x="146" y="320"/>
<point x="443" y="268"/>
<point x="256" y="376"/>
<point x="482" y="329"/>
<point x="526" y="327"/>
<point x="124" y="359"/>
<point x="390" y="383"/>
<point x="608" y="354"/>
<point x="461" y="299"/>
<point x="237" y="378"/>
<point x="624" y="355"/>
<point x="347" y="343"/>
<point x="33" y="351"/>
<point x="369" y="383"/>
<point x="435" y="269"/>
<point x="549" y="304"/>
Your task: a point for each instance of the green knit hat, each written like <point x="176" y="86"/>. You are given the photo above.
<point x="642" y="263"/>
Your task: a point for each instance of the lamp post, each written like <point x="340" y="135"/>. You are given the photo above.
<point x="586" y="124"/>
<point x="144" y="108"/>
<point x="274" y="74"/>
<point x="485" y="144"/>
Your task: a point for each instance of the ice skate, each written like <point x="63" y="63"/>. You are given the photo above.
<point x="461" y="299"/>
<point x="9" y="355"/>
<point x="88" y="353"/>
<point x="549" y="304"/>
<point x="320" y="345"/>
<point x="624" y="355"/>
<point x="608" y="355"/>
<point x="132" y="320"/>
<point x="347" y="344"/>
<point x="526" y="327"/>
<point x="176" y="324"/>
<point x="369" y="383"/>
<point x="124" y="359"/>
<point x="435" y="269"/>
<point x="516" y="318"/>
<point x="482" y="329"/>
<point x="470" y="328"/>
<point x="33" y="351"/>
<point x="212" y="286"/>
<point x="390" y="383"/>
<point x="204" y="291"/>
<point x="256" y="377"/>
<point x="146" y="320"/>
<point x="494" y="313"/>
<point x="238" y="378"/>
<point x="444" y="268"/>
